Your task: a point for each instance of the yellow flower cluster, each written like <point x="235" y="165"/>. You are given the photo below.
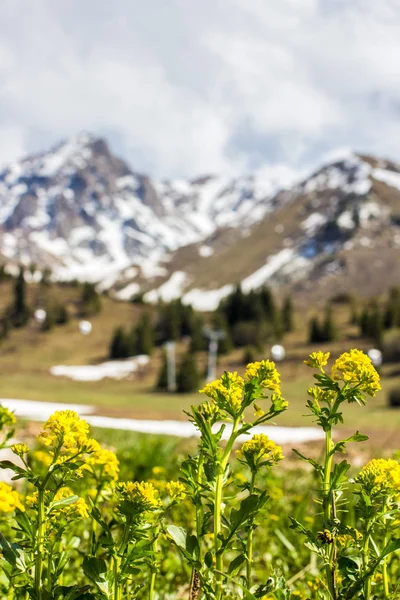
<point x="226" y="392"/>
<point x="76" y="510"/>
<point x="356" y="369"/>
<point x="65" y="429"/>
<point x="142" y="494"/>
<point x="43" y="457"/>
<point x="380" y="477"/>
<point x="265" y="373"/>
<point x="7" y="418"/>
<point x="103" y="463"/>
<point x="9" y="499"/>
<point x="20" y="449"/>
<point x="176" y="490"/>
<point x="260" y="450"/>
<point x="317" y="360"/>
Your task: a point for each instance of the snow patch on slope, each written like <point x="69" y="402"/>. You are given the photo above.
<point x="116" y="369"/>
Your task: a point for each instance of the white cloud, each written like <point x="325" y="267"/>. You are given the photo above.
<point x="185" y="88"/>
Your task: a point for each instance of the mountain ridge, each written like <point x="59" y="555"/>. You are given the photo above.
<point x="86" y="214"/>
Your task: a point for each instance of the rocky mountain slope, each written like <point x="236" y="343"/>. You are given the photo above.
<point x="85" y="213"/>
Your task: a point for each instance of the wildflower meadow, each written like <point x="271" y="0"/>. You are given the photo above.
<point x="231" y="524"/>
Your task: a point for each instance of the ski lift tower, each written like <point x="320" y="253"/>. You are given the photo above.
<point x="213" y="336"/>
<point x="171" y="365"/>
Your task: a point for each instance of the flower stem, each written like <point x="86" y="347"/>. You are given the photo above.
<point x="384" y="565"/>
<point x="330" y="568"/>
<point x="153" y="567"/>
<point x="40" y="531"/>
<point x="221" y="467"/>
<point x="249" y="545"/>
<point x="365" y="548"/>
<point x="116" y="568"/>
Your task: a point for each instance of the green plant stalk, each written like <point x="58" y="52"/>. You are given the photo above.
<point x="365" y="548"/>
<point x="116" y="569"/>
<point x="218" y="507"/>
<point x="385" y="575"/>
<point x="249" y="544"/>
<point x="330" y="568"/>
<point x="40" y="532"/>
<point x="153" y="569"/>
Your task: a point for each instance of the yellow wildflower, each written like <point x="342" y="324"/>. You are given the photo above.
<point x="158" y="470"/>
<point x="43" y="457"/>
<point x="380" y="477"/>
<point x="142" y="494"/>
<point x="77" y="509"/>
<point x="103" y="463"/>
<point x="32" y="499"/>
<point x="226" y="392"/>
<point x="355" y="368"/>
<point x="20" y="449"/>
<point x="9" y="499"/>
<point x="317" y="360"/>
<point x="265" y="373"/>
<point x="65" y="429"/>
<point x="7" y="418"/>
<point x="259" y="451"/>
<point x="176" y="490"/>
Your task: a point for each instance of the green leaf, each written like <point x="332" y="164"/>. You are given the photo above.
<point x="14" y="554"/>
<point x="208" y="559"/>
<point x="179" y="535"/>
<point x="338" y="473"/>
<point x="312" y="462"/>
<point x="391" y="547"/>
<point x="96" y="570"/>
<point x="248" y="507"/>
<point x="61" y="503"/>
<point x="193" y="547"/>
<point x="235" y="564"/>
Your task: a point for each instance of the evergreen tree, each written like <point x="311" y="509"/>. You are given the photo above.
<point x="120" y="346"/>
<point x="144" y="336"/>
<point x="90" y="300"/>
<point x="197" y="341"/>
<point x="329" y="331"/>
<point x="21" y="310"/>
<point x="314" y="333"/>
<point x="49" y="321"/>
<point x="61" y="314"/>
<point x="233" y="306"/>
<point x="5" y="327"/>
<point x="268" y="303"/>
<point x="365" y="322"/>
<point x="354" y="314"/>
<point x="162" y="381"/>
<point x="188" y="379"/>
<point x="46" y="276"/>
<point x="287" y="315"/>
<point x="392" y="310"/>
<point x="376" y="324"/>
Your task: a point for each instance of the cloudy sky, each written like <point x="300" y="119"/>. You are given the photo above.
<point x="184" y="87"/>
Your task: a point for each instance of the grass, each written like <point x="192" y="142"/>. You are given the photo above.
<point x="25" y="359"/>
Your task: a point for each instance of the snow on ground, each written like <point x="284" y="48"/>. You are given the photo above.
<point x="115" y="369"/>
<point x="273" y="264"/>
<point x="40" y="411"/>
<point x="390" y="177"/>
<point x="206" y="251"/>
<point x="313" y="222"/>
<point x="127" y="292"/>
<point x="206" y="300"/>
<point x="170" y="290"/>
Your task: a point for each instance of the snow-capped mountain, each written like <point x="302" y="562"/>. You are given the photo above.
<point x="87" y="214"/>
<point x="338" y="230"/>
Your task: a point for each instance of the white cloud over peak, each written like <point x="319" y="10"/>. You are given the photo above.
<point x="183" y="88"/>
